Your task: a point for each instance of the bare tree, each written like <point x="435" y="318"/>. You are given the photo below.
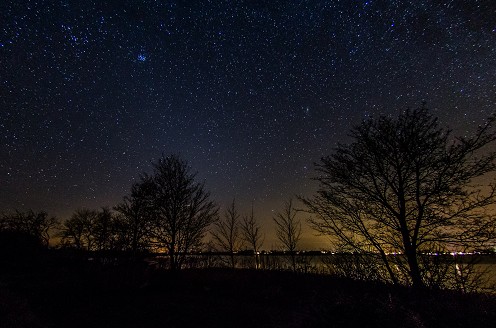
<point x="103" y="230"/>
<point x="137" y="212"/>
<point x="36" y="224"/>
<point x="108" y="231"/>
<point x="252" y="235"/>
<point x="78" y="230"/>
<point x="226" y="233"/>
<point x="182" y="209"/>
<point x="288" y="229"/>
<point x="406" y="185"/>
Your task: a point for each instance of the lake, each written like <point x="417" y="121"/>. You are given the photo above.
<point x="465" y="272"/>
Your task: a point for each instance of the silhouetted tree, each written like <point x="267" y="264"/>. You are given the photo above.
<point x="226" y="233"/>
<point x="107" y="231"/>
<point x="182" y="209"/>
<point x="103" y="230"/>
<point x="137" y="210"/>
<point x="406" y="185"/>
<point x="78" y="230"/>
<point x="251" y="233"/>
<point x="36" y="224"/>
<point x="288" y="229"/>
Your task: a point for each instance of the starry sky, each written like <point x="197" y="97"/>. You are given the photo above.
<point x="251" y="92"/>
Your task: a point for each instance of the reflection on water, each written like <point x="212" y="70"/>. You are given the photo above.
<point x="454" y="271"/>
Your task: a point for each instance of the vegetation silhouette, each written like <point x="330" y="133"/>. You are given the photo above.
<point x="79" y="230"/>
<point x="86" y="295"/>
<point x="288" y="230"/>
<point x="405" y="185"/>
<point x="181" y="210"/>
<point x="251" y="233"/>
<point x="35" y="224"/>
<point x="394" y="201"/>
<point x="24" y="238"/>
<point x="226" y="233"/>
<point x="137" y="213"/>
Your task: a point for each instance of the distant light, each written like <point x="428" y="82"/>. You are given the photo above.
<point x="141" y="57"/>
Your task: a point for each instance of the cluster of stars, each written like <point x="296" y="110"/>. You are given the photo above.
<point x="251" y="93"/>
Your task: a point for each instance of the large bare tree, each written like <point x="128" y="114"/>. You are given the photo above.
<point x="407" y="185"/>
<point x="182" y="209"/>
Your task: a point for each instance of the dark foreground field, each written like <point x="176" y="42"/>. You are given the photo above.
<point x="82" y="295"/>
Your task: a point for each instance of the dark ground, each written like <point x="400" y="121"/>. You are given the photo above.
<point x="77" y="294"/>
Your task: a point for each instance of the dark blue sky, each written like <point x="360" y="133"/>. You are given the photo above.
<point x="251" y="93"/>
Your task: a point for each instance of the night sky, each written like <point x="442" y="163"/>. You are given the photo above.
<point x="251" y="93"/>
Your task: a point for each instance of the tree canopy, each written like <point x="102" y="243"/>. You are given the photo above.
<point x="182" y="209"/>
<point x="406" y="185"/>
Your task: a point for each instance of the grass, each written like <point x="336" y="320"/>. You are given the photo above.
<point x="76" y="294"/>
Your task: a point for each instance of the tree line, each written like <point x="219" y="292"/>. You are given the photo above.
<point x="166" y="211"/>
<point x="403" y="185"/>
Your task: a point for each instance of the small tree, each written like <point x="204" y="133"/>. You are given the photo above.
<point x="226" y="233"/>
<point x="103" y="230"/>
<point x="252" y="235"/>
<point x="406" y="185"/>
<point x="107" y="231"/>
<point x="78" y="230"/>
<point x="288" y="230"/>
<point x="36" y="224"/>
<point x="182" y="210"/>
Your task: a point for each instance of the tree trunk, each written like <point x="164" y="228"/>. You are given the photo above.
<point x="172" y="260"/>
<point x="388" y="267"/>
<point x="135" y="243"/>
<point x="414" y="268"/>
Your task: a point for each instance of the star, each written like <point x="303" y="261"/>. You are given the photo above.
<point x="249" y="93"/>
